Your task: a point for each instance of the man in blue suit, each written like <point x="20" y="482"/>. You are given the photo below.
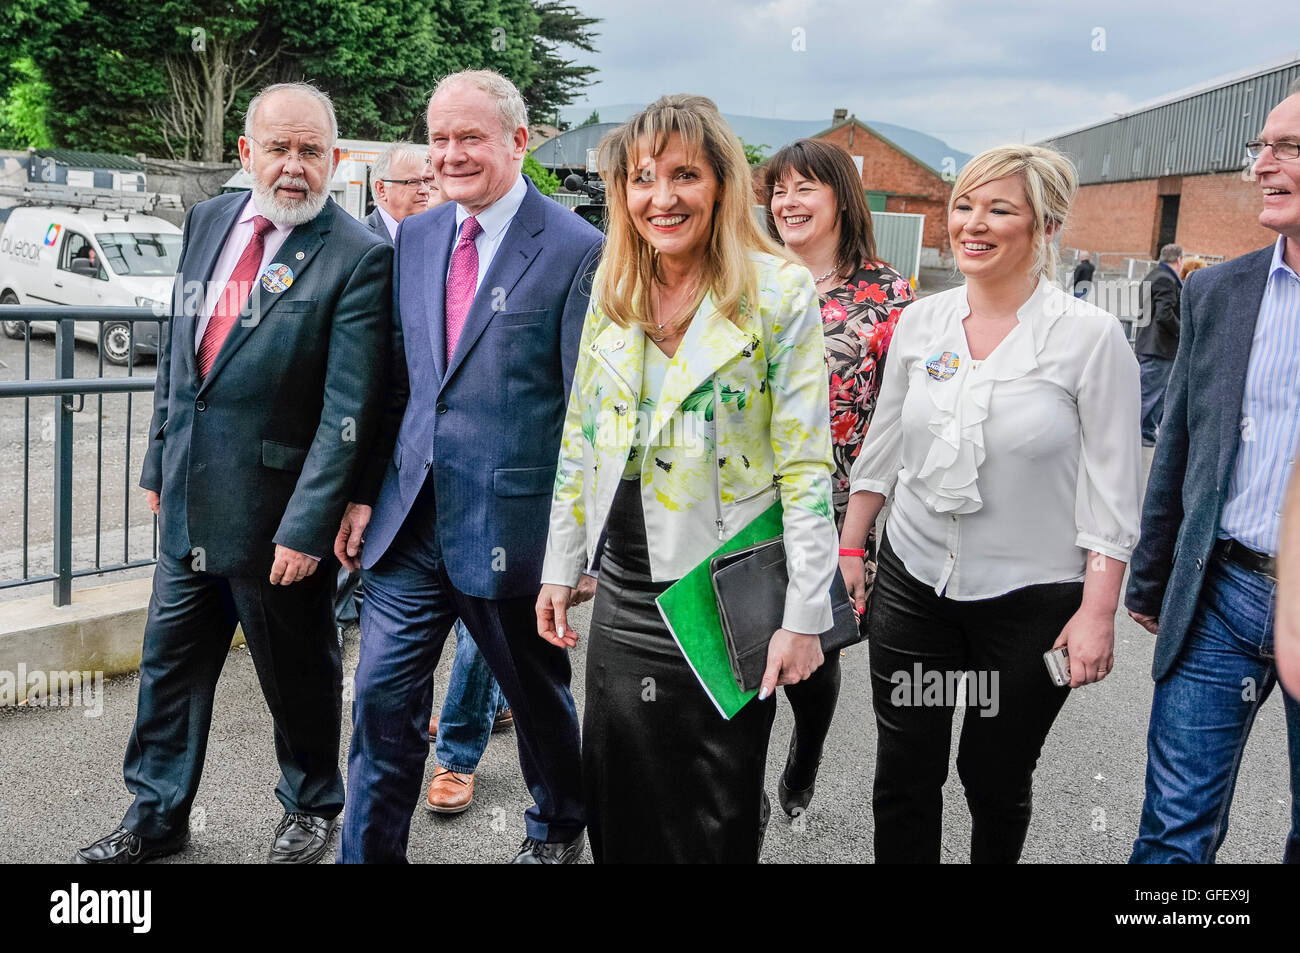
<point x="1204" y="577"/>
<point x="490" y="294"/>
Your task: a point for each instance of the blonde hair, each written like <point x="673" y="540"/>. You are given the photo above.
<point x="630" y="265"/>
<point x="1049" y="181"/>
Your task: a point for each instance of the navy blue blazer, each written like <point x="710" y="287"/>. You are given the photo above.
<point x="268" y="447"/>
<point x="1197" y="449"/>
<point x="487" y="428"/>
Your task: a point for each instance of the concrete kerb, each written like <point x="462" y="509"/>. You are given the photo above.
<point x="101" y="632"/>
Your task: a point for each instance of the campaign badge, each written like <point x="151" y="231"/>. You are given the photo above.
<point x="277" y="277"/>
<point x="942" y="368"/>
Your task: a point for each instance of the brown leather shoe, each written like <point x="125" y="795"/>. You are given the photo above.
<point x="450" y="792"/>
<point x="505" y="719"/>
<point x="433" y="729"/>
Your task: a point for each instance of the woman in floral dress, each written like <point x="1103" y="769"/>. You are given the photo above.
<point x="817" y="209"/>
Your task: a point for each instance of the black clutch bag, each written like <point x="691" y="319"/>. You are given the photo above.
<point x="750" y="588"/>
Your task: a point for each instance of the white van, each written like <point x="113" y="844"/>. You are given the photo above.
<point x="89" y="257"/>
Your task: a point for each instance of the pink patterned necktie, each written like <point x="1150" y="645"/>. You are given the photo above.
<point x="233" y="297"/>
<point x="462" y="279"/>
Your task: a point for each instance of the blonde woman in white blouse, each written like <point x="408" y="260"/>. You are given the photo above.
<point x="1007" y="435"/>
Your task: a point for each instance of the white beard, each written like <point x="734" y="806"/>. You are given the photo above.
<point x="289" y="214"/>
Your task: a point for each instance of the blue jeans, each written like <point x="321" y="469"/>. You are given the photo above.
<point x="473" y="700"/>
<point x="1201" y="716"/>
<point x="1154" y="374"/>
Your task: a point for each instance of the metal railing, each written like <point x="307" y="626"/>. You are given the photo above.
<point x="68" y="394"/>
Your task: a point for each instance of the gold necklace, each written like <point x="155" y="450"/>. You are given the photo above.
<point x="662" y="336"/>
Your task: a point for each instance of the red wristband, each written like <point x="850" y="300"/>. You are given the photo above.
<point x="854" y="552"/>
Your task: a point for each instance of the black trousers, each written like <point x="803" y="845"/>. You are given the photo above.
<point x="813" y="701"/>
<point x="916" y="640"/>
<point x="290" y="635"/>
<point x="665" y="777"/>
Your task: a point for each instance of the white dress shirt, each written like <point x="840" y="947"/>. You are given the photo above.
<point x="390" y="223"/>
<point x="236" y="242"/>
<point x="494" y="220"/>
<point x="1006" y="471"/>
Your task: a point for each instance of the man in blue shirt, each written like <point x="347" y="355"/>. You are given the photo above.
<point x="1204" y="576"/>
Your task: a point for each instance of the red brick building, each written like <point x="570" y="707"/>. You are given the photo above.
<point x="1175" y="170"/>
<point x="895" y="180"/>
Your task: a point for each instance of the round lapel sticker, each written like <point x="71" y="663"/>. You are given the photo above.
<point x="277" y="277"/>
<point x="942" y="368"/>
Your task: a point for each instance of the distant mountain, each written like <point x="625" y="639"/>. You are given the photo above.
<point x="775" y="133"/>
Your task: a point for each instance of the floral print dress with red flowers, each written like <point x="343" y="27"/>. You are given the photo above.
<point x="858" y="320"/>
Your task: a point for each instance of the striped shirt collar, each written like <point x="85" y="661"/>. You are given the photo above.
<point x="1279" y="260"/>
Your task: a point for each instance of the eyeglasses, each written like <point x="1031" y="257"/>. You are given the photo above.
<point x="419" y="184"/>
<point x="306" y="156"/>
<point x="1281" y="150"/>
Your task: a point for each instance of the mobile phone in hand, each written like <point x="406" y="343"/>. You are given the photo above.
<point x="1058" y="665"/>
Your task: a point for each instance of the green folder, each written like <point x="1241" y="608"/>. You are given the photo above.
<point x="690" y="609"/>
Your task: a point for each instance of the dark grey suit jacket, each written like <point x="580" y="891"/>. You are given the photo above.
<point x="267" y="448"/>
<point x="375" y="221"/>
<point x="1158" y="336"/>
<point x="1197" y="449"/>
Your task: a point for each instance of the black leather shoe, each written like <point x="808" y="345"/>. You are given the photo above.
<point x="127" y="847"/>
<point x="534" y="851"/>
<point x="300" y="839"/>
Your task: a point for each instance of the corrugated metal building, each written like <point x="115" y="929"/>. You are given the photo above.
<point x="1175" y="170"/>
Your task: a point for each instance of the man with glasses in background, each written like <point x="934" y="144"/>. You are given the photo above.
<point x="1203" y="578"/>
<point x="402" y="184"/>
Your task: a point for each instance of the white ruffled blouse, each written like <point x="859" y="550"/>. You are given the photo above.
<point x="1006" y="472"/>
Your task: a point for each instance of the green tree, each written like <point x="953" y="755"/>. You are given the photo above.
<point x="558" y="81"/>
<point x="591" y="120"/>
<point x="754" y="154"/>
<point x="545" y="180"/>
<point x="22" y="110"/>
<point x="175" y="76"/>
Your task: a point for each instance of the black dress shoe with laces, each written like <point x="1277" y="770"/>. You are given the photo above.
<point x="534" y="851"/>
<point x="300" y="839"/>
<point x="127" y="847"/>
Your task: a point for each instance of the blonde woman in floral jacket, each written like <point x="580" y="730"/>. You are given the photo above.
<point x="699" y="398"/>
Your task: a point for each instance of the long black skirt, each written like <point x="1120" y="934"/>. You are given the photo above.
<point x="666" y="778"/>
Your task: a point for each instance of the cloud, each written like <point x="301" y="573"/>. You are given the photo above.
<point x="971" y="74"/>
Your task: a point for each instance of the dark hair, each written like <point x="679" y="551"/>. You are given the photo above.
<point x="831" y="166"/>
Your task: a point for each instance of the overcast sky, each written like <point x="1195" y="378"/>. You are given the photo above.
<point x="973" y="73"/>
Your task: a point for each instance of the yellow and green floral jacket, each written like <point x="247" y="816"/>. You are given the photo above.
<point x="744" y="414"/>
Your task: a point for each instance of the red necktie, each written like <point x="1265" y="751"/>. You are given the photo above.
<point x="233" y="296"/>
<point x="462" y="279"/>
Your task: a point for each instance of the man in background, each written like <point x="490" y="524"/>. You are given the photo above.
<point x="1083" y="275"/>
<point x="402" y="185"/>
<point x="1157" y="337"/>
